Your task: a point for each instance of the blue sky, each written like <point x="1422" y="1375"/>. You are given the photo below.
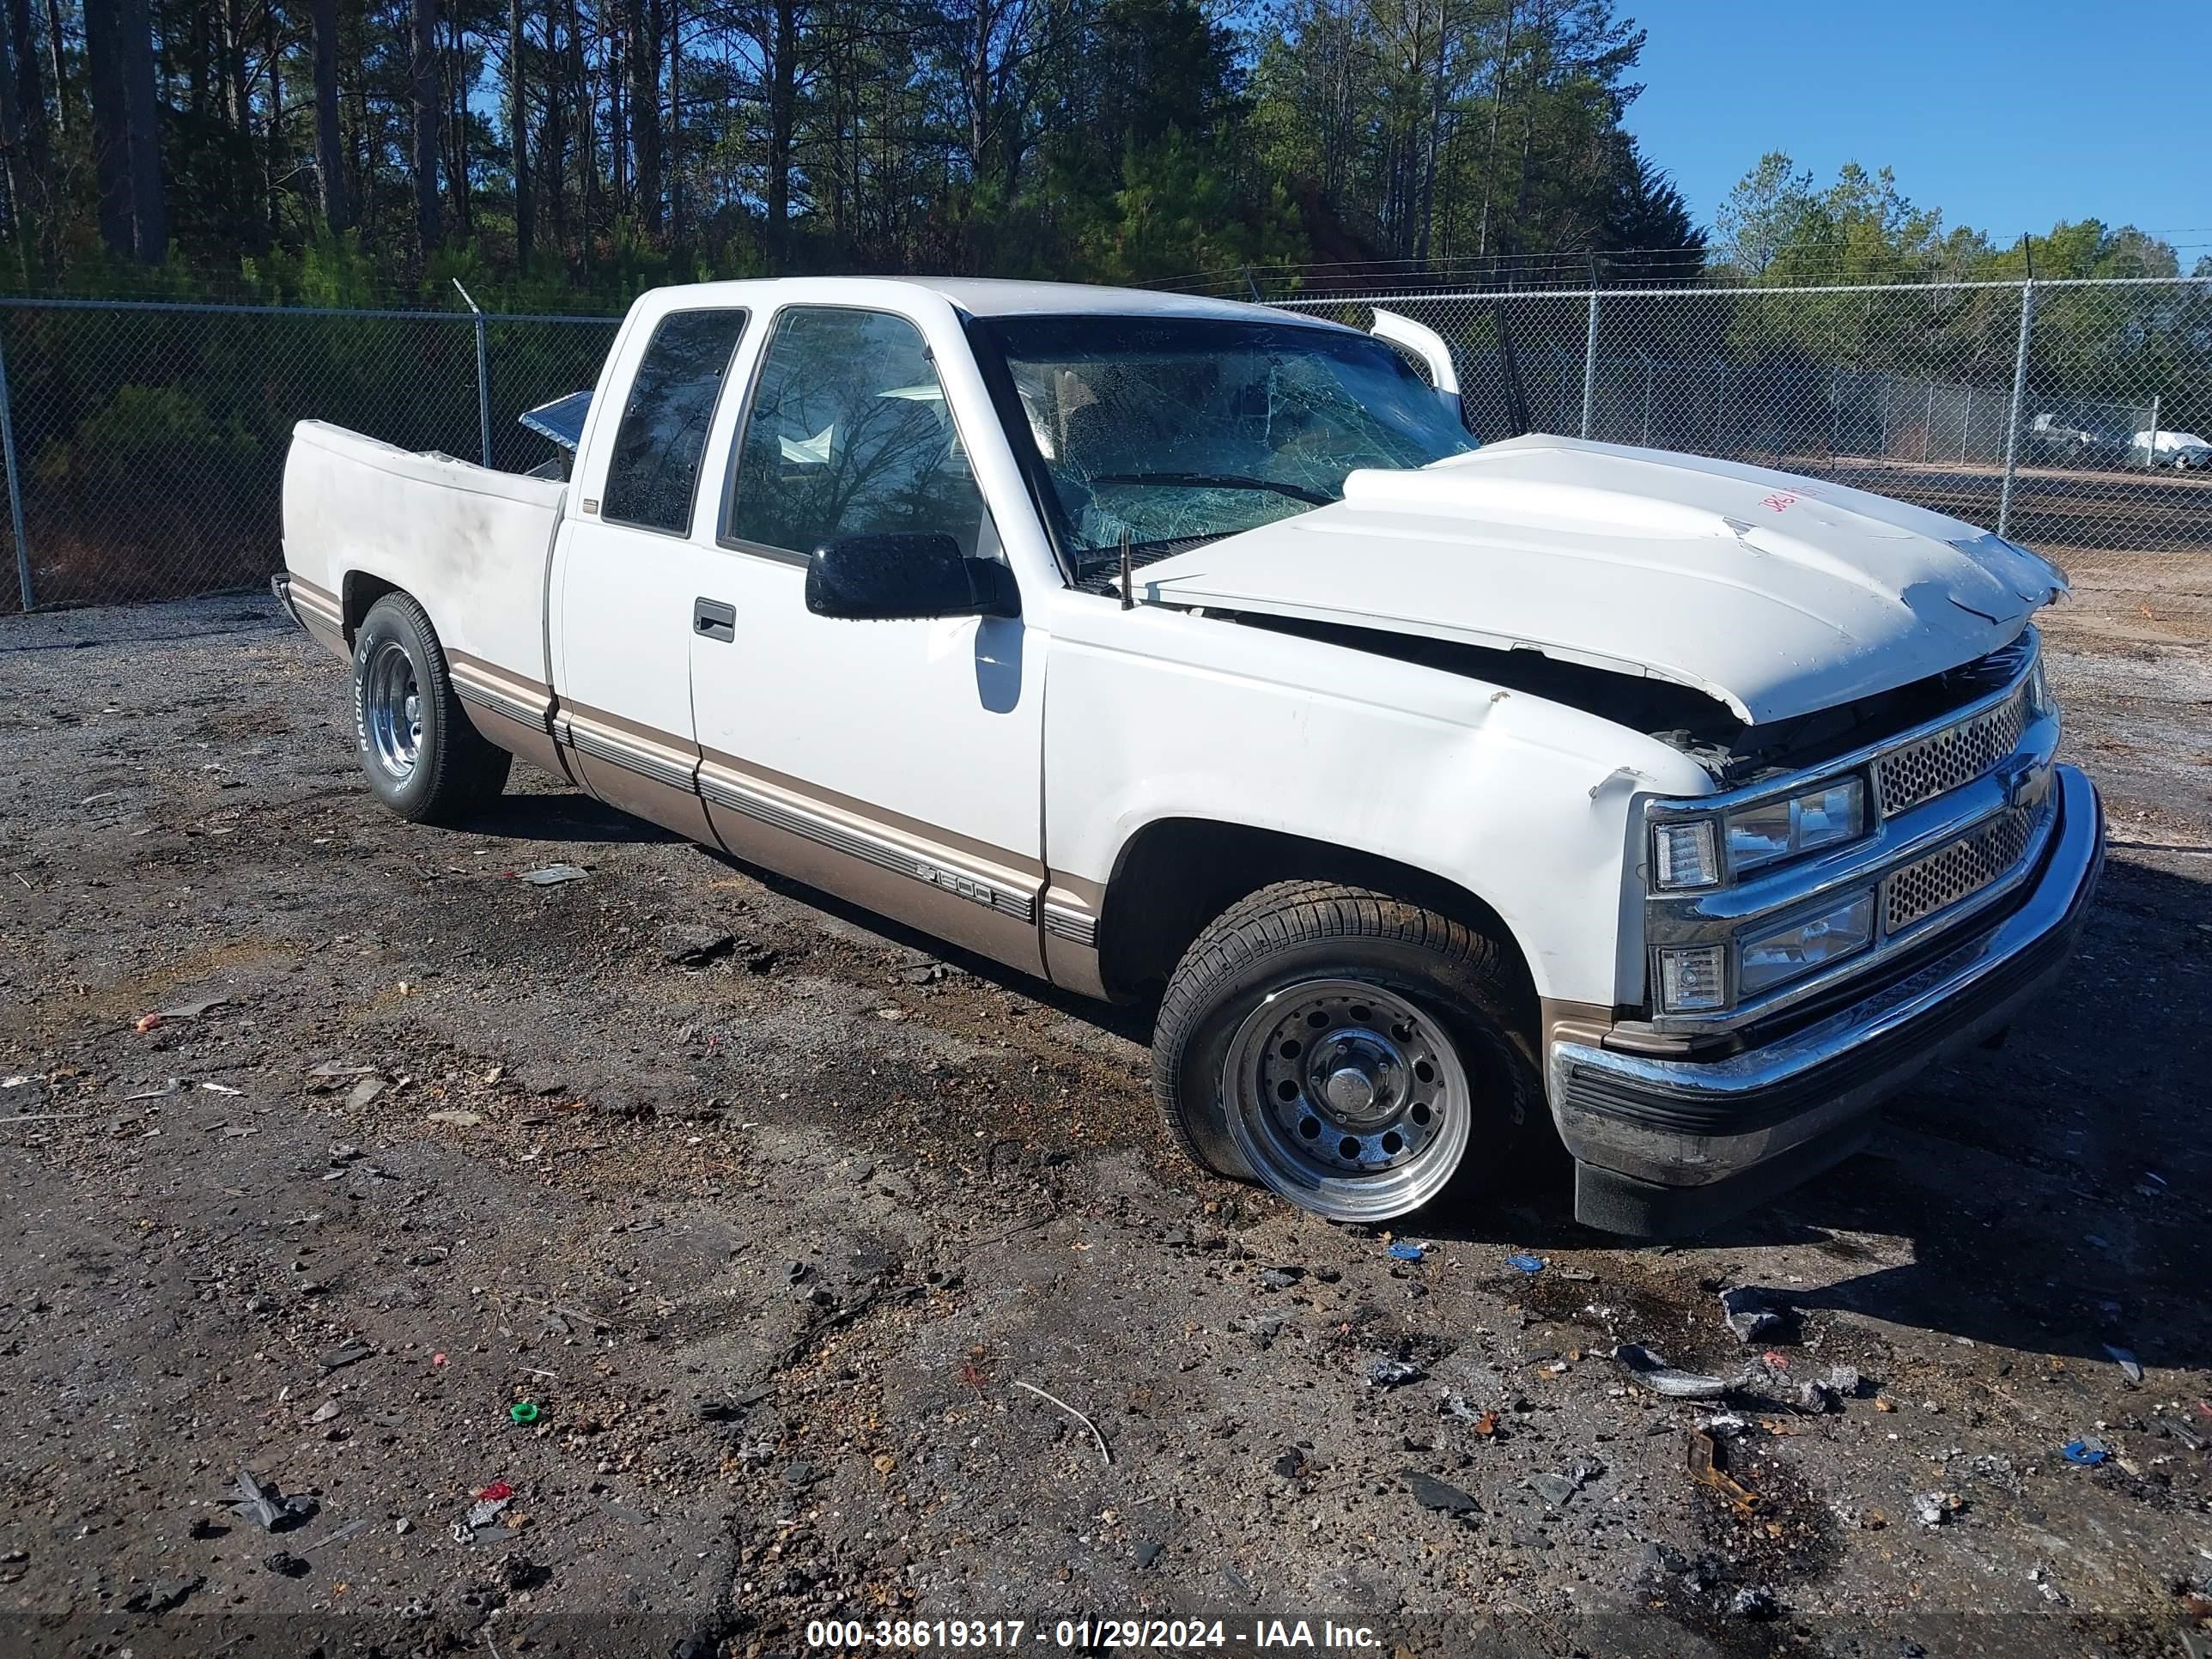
<point x="2008" y="116"/>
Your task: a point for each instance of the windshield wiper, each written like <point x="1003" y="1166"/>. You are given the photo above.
<point x="1215" y="481"/>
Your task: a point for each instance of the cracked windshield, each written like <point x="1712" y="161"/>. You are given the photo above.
<point x="1175" y="429"/>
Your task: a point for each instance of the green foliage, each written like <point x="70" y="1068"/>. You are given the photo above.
<point x="145" y="438"/>
<point x="1181" y="209"/>
<point x="1777" y="226"/>
<point x="1451" y="128"/>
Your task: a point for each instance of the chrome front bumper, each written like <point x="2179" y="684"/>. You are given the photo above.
<point x="1670" y="1146"/>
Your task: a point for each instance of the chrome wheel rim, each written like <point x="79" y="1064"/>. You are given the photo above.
<point x="393" y="705"/>
<point x="1347" y="1098"/>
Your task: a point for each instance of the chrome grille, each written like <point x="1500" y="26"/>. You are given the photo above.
<point x="1958" y="871"/>
<point x="1951" y="758"/>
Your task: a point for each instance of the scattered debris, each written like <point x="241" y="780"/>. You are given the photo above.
<point x="689" y="946"/>
<point x="1431" y="1493"/>
<point x="1266" y="1328"/>
<point x="1933" y="1509"/>
<point x="346" y="1353"/>
<point x="330" y="1071"/>
<point x="330" y="1538"/>
<point x="553" y="875"/>
<point x="1393" y="1374"/>
<point x="1815" y="1397"/>
<point x="261" y="1502"/>
<point x="164" y="1597"/>
<point x="491" y="1503"/>
<point x="1104" y="1455"/>
<point x="364" y="1091"/>
<point x="221" y="1089"/>
<point x="1751" y="1603"/>
<point x="160" y="1092"/>
<point x="2130" y="1367"/>
<point x="2088" y="1451"/>
<point x="325" y="1412"/>
<point x="1553" y="1489"/>
<point x="1707" y="1464"/>
<point x="1749" y="1312"/>
<point x="1653" y="1372"/>
<point x="458" y="1116"/>
<point x="1525" y="1264"/>
<point x="195" y="1009"/>
<point x="1403" y="1251"/>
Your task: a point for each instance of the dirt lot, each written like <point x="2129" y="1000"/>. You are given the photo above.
<point x="772" y="1214"/>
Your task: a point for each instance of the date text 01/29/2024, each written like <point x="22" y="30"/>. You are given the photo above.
<point x="1084" y="1635"/>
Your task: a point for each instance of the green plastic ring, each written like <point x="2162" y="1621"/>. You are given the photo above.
<point x="523" y="1411"/>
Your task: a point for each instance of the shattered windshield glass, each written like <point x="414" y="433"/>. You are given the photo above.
<point x="1171" y="428"/>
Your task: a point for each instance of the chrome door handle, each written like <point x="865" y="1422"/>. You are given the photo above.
<point x="713" y="620"/>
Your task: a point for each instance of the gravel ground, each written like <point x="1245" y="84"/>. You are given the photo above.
<point x="850" y="1279"/>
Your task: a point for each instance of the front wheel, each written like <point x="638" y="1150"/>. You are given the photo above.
<point x="422" y="758"/>
<point x="1355" y="1054"/>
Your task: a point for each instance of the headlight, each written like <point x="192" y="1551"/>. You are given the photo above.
<point x="1686" y="854"/>
<point x="1693" y="979"/>
<point x="1787" y="953"/>
<point x="1822" y="817"/>
<point x="2038" y="690"/>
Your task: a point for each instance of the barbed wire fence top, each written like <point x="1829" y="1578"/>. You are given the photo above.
<point x="145" y="440"/>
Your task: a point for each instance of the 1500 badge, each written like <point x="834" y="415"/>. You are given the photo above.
<point x="953" y="882"/>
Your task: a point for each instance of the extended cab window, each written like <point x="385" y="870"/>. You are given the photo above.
<point x="849" y="435"/>
<point x="655" y="466"/>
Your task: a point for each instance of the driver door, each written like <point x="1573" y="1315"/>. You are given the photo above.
<point x="898" y="763"/>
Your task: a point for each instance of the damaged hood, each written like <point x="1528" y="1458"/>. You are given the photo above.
<point x="1776" y="594"/>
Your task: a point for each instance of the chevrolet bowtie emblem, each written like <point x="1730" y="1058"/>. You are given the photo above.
<point x="2018" y="779"/>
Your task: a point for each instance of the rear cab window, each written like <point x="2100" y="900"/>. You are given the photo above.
<point x="653" y="472"/>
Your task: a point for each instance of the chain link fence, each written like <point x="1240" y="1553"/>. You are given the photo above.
<point x="144" y="442"/>
<point x="2025" y="407"/>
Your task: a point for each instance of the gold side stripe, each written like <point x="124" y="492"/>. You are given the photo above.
<point x="488" y="697"/>
<point x="646" y="763"/>
<point x="1076" y="927"/>
<point x="880" y="851"/>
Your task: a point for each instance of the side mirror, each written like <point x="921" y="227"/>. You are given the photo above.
<point x="894" y="578"/>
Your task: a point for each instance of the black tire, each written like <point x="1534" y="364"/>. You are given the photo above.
<point x="455" y="771"/>
<point x="1299" y="933"/>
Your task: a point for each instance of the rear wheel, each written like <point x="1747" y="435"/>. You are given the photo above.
<point x="422" y="758"/>
<point x="1357" y="1054"/>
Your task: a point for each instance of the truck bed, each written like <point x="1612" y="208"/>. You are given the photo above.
<point x="477" y="540"/>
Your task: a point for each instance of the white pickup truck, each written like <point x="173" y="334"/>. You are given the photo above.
<point x="1443" y="797"/>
